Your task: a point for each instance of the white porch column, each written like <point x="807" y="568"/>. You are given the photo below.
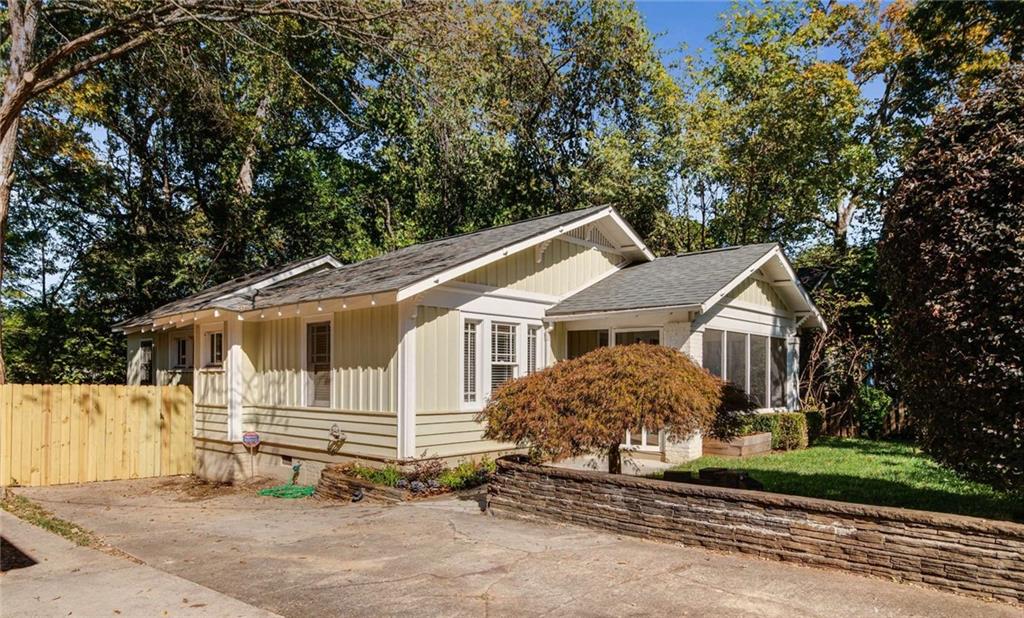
<point x="407" y="379"/>
<point x="233" y="376"/>
<point x="793" y="372"/>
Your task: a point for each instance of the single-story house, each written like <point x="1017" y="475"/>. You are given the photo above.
<point x="391" y="359"/>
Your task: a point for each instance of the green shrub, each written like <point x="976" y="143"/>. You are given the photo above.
<point x="815" y="415"/>
<point x="788" y="429"/>
<point x="467" y="474"/>
<point x="388" y="475"/>
<point x="871" y="409"/>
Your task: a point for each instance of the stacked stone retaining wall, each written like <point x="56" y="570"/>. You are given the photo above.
<point x="969" y="555"/>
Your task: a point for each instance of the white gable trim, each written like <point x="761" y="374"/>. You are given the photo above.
<point x="458" y="271"/>
<point x="773" y="253"/>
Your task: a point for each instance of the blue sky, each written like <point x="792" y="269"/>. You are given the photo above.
<point x="679" y="22"/>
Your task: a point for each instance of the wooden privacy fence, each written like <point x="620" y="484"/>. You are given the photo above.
<point x="70" y="433"/>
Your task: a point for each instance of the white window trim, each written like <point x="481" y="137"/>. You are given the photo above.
<point x="478" y="374"/>
<point x="483" y="336"/>
<point x="152" y="361"/>
<point x="204" y="353"/>
<point x="767" y="394"/>
<point x="644" y="446"/>
<point x="173" y="352"/>
<point x="304" y="369"/>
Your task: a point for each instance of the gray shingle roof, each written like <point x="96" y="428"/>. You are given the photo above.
<point x="205" y="299"/>
<point x="384" y="273"/>
<point x="684" y="280"/>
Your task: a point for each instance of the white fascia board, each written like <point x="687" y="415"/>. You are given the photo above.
<point x="462" y="269"/>
<point x="738" y="279"/>
<point x="802" y="292"/>
<point x="601" y="314"/>
<point x="288" y="274"/>
<point x="628" y="230"/>
<point x="773" y="253"/>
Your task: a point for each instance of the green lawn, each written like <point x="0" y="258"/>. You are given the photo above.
<point x="870" y="472"/>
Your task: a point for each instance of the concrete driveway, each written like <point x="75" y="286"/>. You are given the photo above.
<point x="443" y="557"/>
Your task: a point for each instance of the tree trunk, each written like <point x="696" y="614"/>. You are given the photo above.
<point x="614" y="459"/>
<point x="22" y="19"/>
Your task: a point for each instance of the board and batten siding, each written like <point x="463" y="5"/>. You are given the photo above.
<point x="437" y="359"/>
<point x="564" y="267"/>
<point x="366" y="359"/>
<point x="443" y="429"/>
<point x="758" y="292"/>
<point x="365" y="385"/>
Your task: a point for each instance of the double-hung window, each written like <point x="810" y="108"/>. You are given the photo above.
<point x="181" y="352"/>
<point x="215" y="348"/>
<point x="504" y="361"/>
<point x="318" y="364"/>
<point x="470" y="362"/>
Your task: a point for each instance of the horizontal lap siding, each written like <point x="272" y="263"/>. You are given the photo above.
<point x="367" y="434"/>
<point x="565" y="267"/>
<point x="211" y="422"/>
<point x="364" y="366"/>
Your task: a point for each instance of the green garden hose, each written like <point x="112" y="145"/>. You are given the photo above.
<point x="288" y="491"/>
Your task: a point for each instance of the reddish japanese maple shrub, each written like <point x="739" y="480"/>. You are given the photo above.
<point x="585" y="405"/>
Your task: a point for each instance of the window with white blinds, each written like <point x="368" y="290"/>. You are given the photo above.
<point x="318" y="364"/>
<point x="504" y="363"/>
<point x="470" y="361"/>
<point x="532" y="338"/>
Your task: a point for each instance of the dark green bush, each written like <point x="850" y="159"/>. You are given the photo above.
<point x="871" y="409"/>
<point x="815" y="416"/>
<point x="788" y="429"/>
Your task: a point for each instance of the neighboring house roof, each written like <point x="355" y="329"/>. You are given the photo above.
<point x="390" y="272"/>
<point x="693" y="280"/>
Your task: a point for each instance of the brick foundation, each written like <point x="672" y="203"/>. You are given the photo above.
<point x="973" y="556"/>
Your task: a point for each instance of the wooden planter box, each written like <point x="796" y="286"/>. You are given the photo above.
<point x="744" y="446"/>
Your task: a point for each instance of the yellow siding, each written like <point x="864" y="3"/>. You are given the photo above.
<point x="211" y="387"/>
<point x="366" y="359"/>
<point x="367" y="434"/>
<point x="758" y="292"/>
<point x="275" y="359"/>
<point x="565" y="267"/>
<point x="437" y="359"/>
<point x="211" y="421"/>
<point x="451" y="434"/>
<point x="559" y="342"/>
